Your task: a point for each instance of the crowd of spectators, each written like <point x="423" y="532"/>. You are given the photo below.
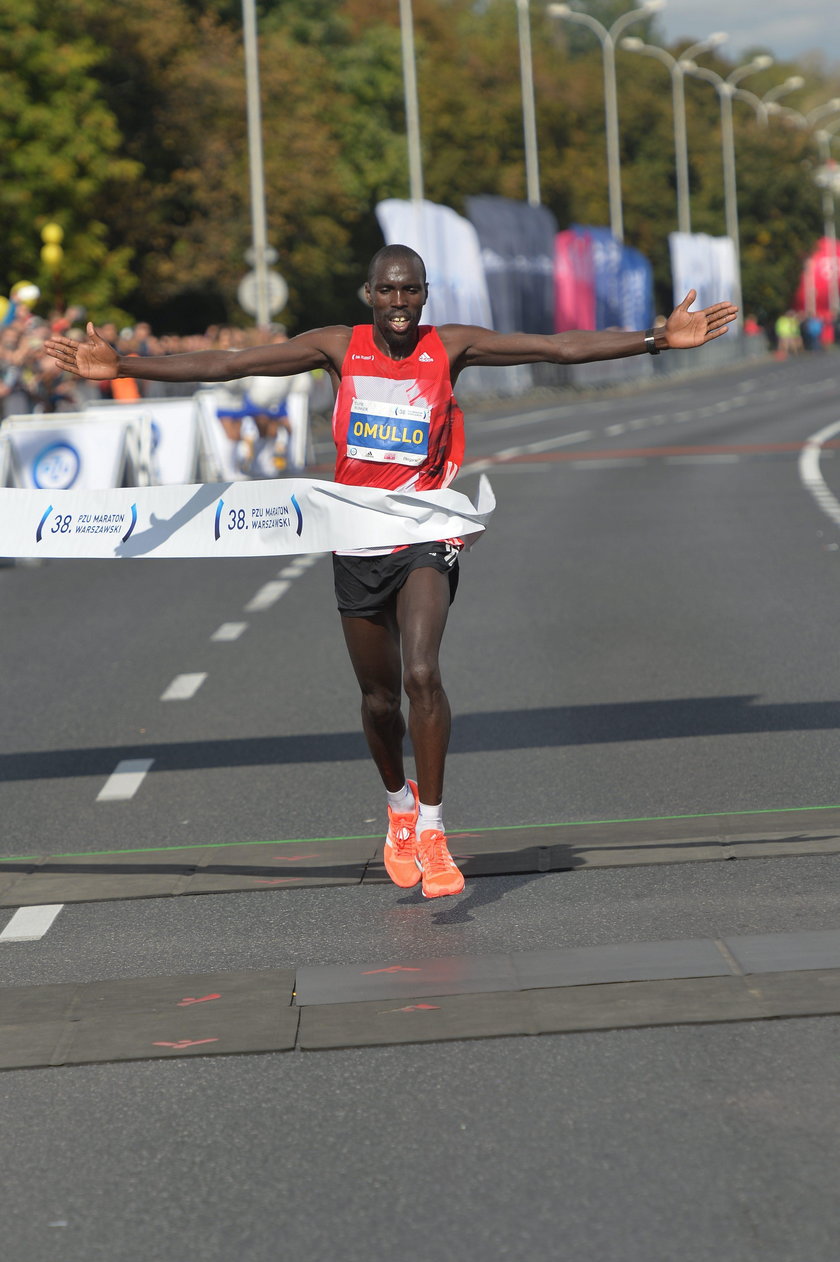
<point x="32" y="382"/>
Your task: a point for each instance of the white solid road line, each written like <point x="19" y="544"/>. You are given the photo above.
<point x="809" y="471"/>
<point x="183" y="687"/>
<point x="229" y="631"/>
<point x="268" y="594"/>
<point x="125" y="780"/>
<point x="30" y="923"/>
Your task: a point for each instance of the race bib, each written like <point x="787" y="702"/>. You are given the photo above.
<point x="388" y="433"/>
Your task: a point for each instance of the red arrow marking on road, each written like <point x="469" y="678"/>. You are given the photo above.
<point x="292" y="858"/>
<point x="275" y="880"/>
<point x="185" y="1043"/>
<point x="183" y="1003"/>
<point x="415" y="1007"/>
<point x="395" y="968"/>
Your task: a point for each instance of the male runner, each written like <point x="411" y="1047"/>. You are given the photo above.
<point x="396" y="424"/>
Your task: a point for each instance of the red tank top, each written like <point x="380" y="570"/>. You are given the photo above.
<point x="396" y="423"/>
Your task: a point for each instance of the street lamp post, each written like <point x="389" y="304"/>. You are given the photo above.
<point x="608" y="40"/>
<point x="412" y="106"/>
<point x="529" y="116"/>
<point x="793" y="84"/>
<point x="259" y="234"/>
<point x="675" y="65"/>
<point x="725" y="89"/>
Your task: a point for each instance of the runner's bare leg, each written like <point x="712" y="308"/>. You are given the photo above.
<point x="374" y="648"/>
<point x="422" y="610"/>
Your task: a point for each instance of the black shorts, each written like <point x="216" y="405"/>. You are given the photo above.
<point x="365" y="586"/>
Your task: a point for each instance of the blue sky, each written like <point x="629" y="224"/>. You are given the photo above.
<point x="788" y="28"/>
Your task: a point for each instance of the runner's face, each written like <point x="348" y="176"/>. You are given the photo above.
<point x="397" y="295"/>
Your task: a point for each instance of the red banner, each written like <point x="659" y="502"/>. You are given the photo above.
<point x="574" y="282"/>
<point x="819" y="280"/>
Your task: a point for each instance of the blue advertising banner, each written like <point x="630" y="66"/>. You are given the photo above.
<point x="623" y="282"/>
<point x="517" y="253"/>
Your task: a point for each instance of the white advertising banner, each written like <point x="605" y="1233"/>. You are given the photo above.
<point x="704" y="263"/>
<point x="67" y="450"/>
<point x="174" y="435"/>
<point x="449" y="246"/>
<point x="232" y="519"/>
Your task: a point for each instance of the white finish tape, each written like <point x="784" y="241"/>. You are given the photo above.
<point x="232" y="519"/>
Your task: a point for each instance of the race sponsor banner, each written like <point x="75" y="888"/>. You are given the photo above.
<point x="232" y="519"/>
<point x="704" y="263"/>
<point x="606" y="268"/>
<point x="623" y="281"/>
<point x="174" y="434"/>
<point x="517" y="254"/>
<point x="574" y="282"/>
<point x="448" y="245"/>
<point x="635" y="290"/>
<point x="68" y="450"/>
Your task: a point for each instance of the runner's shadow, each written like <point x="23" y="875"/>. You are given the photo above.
<point x="481" y="892"/>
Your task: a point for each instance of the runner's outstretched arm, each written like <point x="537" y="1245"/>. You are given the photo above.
<point x="97" y="360"/>
<point x="470" y="345"/>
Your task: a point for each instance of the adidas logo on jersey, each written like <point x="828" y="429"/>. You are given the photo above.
<point x="426" y="359"/>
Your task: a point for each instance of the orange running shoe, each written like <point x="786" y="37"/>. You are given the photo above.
<point x="400" y="850"/>
<point x="440" y="873"/>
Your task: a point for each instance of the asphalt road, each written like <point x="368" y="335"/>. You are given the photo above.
<point x="648" y="630"/>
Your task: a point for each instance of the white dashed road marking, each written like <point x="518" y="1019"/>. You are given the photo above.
<point x="267" y="595"/>
<point x="124" y="782"/>
<point x="712" y="458"/>
<point x="30" y="923"/>
<point x="183" y="687"/>
<point x="229" y="631"/>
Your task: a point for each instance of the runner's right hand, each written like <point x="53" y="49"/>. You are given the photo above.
<point x="94" y="359"/>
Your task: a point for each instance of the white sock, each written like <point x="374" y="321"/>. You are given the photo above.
<point x="430" y="817"/>
<point x="402" y="801"/>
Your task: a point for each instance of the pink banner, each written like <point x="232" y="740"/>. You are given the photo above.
<point x="574" y="282"/>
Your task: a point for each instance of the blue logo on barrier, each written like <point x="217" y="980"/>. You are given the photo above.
<point x="127" y="534"/>
<point x="299" y="515"/>
<point x="39" y="532"/>
<point x="56" y="467"/>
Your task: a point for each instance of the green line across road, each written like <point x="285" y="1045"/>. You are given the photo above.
<point x="299" y="841"/>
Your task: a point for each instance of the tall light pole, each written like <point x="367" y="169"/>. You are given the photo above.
<point x="529" y="115"/>
<point x="259" y="235"/>
<point x="608" y="40"/>
<point x="412" y="106"/>
<point x="675" y="65"/>
<point x="793" y="84"/>
<point x="725" y="89"/>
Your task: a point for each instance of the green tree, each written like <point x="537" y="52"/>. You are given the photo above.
<point x="60" y="159"/>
